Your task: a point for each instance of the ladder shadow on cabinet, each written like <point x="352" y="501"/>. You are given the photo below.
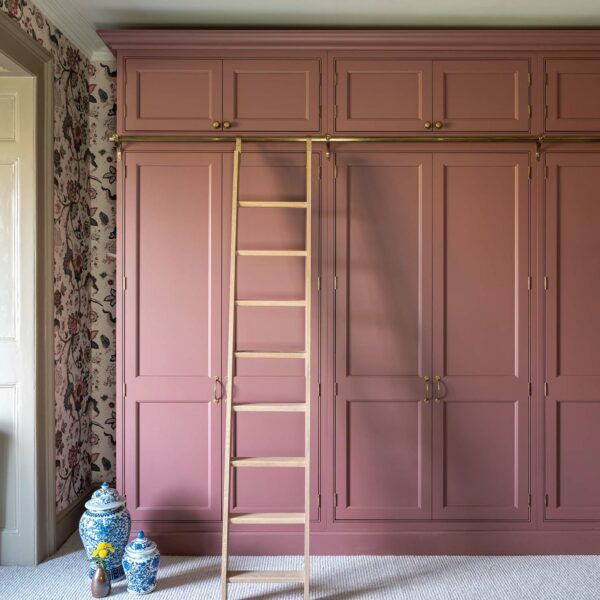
<point x="231" y="462"/>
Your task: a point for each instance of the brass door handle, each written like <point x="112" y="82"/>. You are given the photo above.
<point x="438" y="125"/>
<point x="427" y="389"/>
<point x="226" y="125"/>
<point x="216" y="382"/>
<point x="427" y="124"/>
<point x="438" y="389"/>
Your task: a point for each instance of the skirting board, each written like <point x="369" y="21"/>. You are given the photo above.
<point x="67" y="520"/>
<point x="381" y="543"/>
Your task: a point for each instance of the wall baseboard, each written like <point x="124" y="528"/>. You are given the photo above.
<point x="67" y="520"/>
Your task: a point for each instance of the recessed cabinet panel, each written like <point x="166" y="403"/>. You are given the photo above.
<point x="172" y="94"/>
<point x="572" y="92"/>
<point x="382" y="95"/>
<point x="172" y="312"/>
<point x="481" y="336"/>
<point x="271" y="95"/>
<point x="383" y="335"/>
<point x="572" y="343"/>
<point x="481" y="95"/>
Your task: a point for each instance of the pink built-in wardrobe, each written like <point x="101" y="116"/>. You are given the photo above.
<point x="473" y="264"/>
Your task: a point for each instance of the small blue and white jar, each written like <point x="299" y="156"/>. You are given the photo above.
<point x="141" y="564"/>
<point x="106" y="520"/>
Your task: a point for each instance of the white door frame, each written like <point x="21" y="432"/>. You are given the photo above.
<point x="34" y="59"/>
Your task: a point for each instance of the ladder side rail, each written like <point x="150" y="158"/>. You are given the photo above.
<point x="308" y="355"/>
<point x="230" y="368"/>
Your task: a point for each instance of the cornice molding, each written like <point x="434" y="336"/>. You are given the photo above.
<point x="65" y="15"/>
<point x="352" y="39"/>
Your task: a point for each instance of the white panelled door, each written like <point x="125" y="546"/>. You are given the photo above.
<point x="17" y="322"/>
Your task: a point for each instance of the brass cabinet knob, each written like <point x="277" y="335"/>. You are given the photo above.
<point x="216" y="124"/>
<point x="427" y="124"/>
<point x="438" y="125"/>
<point x="226" y="125"/>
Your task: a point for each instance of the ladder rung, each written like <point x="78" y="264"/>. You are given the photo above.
<point x="254" y="204"/>
<point x="267" y="518"/>
<point x="271" y="252"/>
<point x="270" y="355"/>
<point x="283" y="407"/>
<point x="265" y="576"/>
<point x="273" y="461"/>
<point x="270" y="302"/>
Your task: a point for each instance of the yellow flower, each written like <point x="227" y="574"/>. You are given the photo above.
<point x="103" y="553"/>
<point x="110" y="548"/>
<point x="95" y="552"/>
<point x="101" y="545"/>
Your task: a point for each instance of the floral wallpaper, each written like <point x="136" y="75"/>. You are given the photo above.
<point x="103" y="91"/>
<point x="84" y="231"/>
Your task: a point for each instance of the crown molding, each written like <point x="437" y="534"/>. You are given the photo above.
<point x="65" y="15"/>
<point x="120" y="40"/>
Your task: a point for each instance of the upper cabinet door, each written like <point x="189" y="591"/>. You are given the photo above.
<point x="572" y="92"/>
<point x="172" y="94"/>
<point x="382" y="95"/>
<point x="271" y="95"/>
<point x="481" y="95"/>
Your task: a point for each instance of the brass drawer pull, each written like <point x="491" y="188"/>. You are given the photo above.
<point x="427" y="124"/>
<point x="216" y="124"/>
<point x="226" y="125"/>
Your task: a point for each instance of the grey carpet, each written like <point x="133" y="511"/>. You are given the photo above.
<point x="334" y="577"/>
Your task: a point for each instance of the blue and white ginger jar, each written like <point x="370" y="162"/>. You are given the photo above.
<point x="106" y="520"/>
<point x="141" y="564"/>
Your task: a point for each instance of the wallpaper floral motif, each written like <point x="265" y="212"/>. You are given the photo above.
<point x="78" y="416"/>
<point x="102" y="167"/>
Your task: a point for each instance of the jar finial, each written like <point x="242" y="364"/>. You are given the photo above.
<point x="140" y="535"/>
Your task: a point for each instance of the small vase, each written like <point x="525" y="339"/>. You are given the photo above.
<point x="141" y="562"/>
<point x="100" y="583"/>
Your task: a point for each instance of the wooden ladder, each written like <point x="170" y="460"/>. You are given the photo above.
<point x="233" y="462"/>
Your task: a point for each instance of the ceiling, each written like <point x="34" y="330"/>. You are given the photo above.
<point x="80" y="18"/>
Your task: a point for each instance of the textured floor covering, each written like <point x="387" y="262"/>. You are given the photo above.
<point x="339" y="577"/>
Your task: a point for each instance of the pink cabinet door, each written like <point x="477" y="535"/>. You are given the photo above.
<point x="572" y="405"/>
<point x="172" y="94"/>
<point x="273" y="176"/>
<point x="481" y="335"/>
<point x="572" y="92"/>
<point x="272" y="95"/>
<point x="172" y="245"/>
<point x="383" y="335"/>
<point x="382" y="95"/>
<point x="481" y="95"/>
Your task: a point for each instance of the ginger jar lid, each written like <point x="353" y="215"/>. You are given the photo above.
<point x="140" y="546"/>
<point x="106" y="498"/>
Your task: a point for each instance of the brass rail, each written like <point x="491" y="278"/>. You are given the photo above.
<point x="538" y="140"/>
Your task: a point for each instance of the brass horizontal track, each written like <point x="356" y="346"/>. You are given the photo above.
<point x="539" y="139"/>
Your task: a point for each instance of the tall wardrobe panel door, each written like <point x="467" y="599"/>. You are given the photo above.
<point x="383" y="335"/>
<point x="172" y="94"/>
<point x="481" y="95"/>
<point x="271" y="177"/>
<point x="572" y="92"/>
<point x="272" y="95"/>
<point x="481" y="335"/>
<point x="382" y="95"/>
<point x="172" y="312"/>
<point x="572" y="406"/>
